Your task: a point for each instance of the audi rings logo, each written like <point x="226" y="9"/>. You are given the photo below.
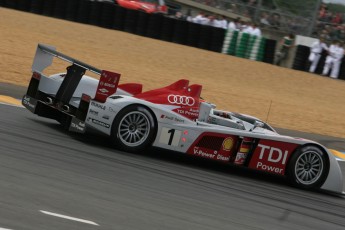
<point x="181" y="100"/>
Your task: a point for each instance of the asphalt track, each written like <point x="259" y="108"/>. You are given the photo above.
<point x="51" y="179"/>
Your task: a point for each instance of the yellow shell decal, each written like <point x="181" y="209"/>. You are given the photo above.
<point x="227" y="144"/>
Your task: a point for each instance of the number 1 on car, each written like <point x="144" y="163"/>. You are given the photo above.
<point x="170" y="136"/>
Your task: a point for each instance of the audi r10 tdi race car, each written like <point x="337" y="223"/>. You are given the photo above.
<point x="175" y="118"/>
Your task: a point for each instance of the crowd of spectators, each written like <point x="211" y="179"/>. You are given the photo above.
<point x="330" y="25"/>
<point x="222" y="22"/>
<point x="330" y="31"/>
<point x="265" y="16"/>
<point x="245" y="27"/>
<point x="210" y="20"/>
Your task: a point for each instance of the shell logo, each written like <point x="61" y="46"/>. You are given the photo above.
<point x="227" y="144"/>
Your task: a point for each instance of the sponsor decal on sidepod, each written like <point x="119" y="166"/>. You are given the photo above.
<point x="214" y="146"/>
<point x="193" y="112"/>
<point x="93" y="112"/>
<point x="228" y="144"/>
<point x="100" y="123"/>
<point x="207" y="153"/>
<point x="171" y="118"/>
<point x="272" y="156"/>
<point x="95" y="104"/>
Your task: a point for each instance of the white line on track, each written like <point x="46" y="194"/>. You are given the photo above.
<point x="5" y="229"/>
<point x="69" y="218"/>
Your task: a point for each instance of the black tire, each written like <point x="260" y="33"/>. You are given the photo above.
<point x="126" y="129"/>
<point x="308" y="167"/>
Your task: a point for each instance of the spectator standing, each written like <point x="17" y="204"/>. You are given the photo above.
<point x="189" y="17"/>
<point x="337" y="19"/>
<point x="234" y="25"/>
<point x="324" y="35"/>
<point x="256" y="30"/>
<point x="333" y="60"/>
<point x="275" y="21"/>
<point x="315" y="53"/>
<point x="248" y="28"/>
<point x="323" y="10"/>
<point x="207" y="20"/>
<point x="179" y="15"/>
<point x="200" y="18"/>
<point x="252" y="29"/>
<point x="221" y="22"/>
<point x="285" y="45"/>
<point x="211" y="21"/>
<point x="243" y="26"/>
<point x="330" y="57"/>
<point x="264" y="19"/>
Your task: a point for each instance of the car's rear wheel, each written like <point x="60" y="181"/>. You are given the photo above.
<point x="134" y="128"/>
<point x="308" y="167"/>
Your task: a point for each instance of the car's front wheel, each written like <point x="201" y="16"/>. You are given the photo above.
<point x="308" y="167"/>
<point x="134" y="128"/>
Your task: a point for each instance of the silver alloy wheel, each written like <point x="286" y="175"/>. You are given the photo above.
<point x="134" y="128"/>
<point x="309" y="167"/>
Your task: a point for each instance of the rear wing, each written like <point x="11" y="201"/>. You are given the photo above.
<point x="107" y="85"/>
<point x="44" y="58"/>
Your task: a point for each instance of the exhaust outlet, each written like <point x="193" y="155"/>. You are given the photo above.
<point x="49" y="100"/>
<point x="65" y="108"/>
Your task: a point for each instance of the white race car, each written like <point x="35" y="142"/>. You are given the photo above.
<point x="174" y="118"/>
